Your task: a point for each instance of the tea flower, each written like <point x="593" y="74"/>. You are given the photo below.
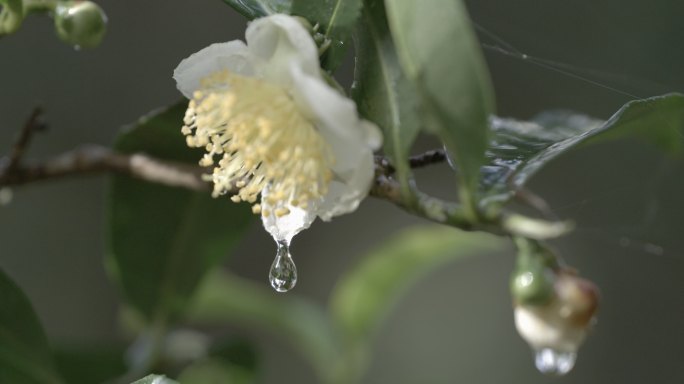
<point x="273" y="127"/>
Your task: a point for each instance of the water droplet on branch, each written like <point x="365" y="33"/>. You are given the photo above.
<point x="554" y="363"/>
<point x="283" y="273"/>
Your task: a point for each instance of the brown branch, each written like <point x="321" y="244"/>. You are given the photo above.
<point x="93" y="159"/>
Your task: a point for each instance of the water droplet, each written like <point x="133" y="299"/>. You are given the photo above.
<point x="77" y="47"/>
<point x="555" y="363"/>
<point x="283" y="273"/>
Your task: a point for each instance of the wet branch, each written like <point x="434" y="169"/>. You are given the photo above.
<point x="96" y="159"/>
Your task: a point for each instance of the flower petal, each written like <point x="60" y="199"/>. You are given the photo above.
<point x="351" y="139"/>
<point x="345" y="194"/>
<point x="281" y="41"/>
<point x="232" y="55"/>
<point x="332" y="111"/>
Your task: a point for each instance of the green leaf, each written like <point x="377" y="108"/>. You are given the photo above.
<point x="382" y="92"/>
<point x="163" y="240"/>
<point x="225" y="298"/>
<point x="155" y="379"/>
<point x="335" y="19"/>
<point x="520" y="149"/>
<point x="24" y="352"/>
<point x="441" y="56"/>
<point x="364" y="295"/>
<point x="215" y="371"/>
<point x="88" y="365"/>
<point x="253" y="9"/>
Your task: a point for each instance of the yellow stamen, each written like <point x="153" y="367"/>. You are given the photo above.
<point x="257" y="137"/>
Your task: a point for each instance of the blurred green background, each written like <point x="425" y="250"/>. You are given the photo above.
<point x="456" y="325"/>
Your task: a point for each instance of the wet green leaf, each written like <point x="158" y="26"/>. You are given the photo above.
<point x="335" y="19"/>
<point x="382" y="92"/>
<point x="519" y="149"/>
<point x="162" y="240"/>
<point x="441" y="56"/>
<point x="253" y="9"/>
<point x="24" y="352"/>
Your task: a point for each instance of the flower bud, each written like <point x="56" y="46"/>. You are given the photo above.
<point x="532" y="282"/>
<point x="533" y="286"/>
<point x="80" y="23"/>
<point x="557" y="329"/>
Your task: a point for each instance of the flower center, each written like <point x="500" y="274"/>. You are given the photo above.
<point x="261" y="140"/>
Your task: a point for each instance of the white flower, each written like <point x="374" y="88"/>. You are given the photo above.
<point x="274" y="127"/>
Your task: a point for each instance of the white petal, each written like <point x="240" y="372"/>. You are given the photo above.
<point x="332" y="111"/>
<point x="232" y="55"/>
<point x="351" y="139"/>
<point x="280" y="41"/>
<point x="346" y="195"/>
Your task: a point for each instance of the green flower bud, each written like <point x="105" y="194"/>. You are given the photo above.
<point x="532" y="282"/>
<point x="556" y="331"/>
<point x="80" y="23"/>
<point x="532" y="286"/>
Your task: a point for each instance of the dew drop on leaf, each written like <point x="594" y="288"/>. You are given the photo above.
<point x="283" y="273"/>
<point x="554" y="363"/>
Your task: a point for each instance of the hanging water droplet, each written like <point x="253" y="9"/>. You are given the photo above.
<point x="283" y="274"/>
<point x="555" y="363"/>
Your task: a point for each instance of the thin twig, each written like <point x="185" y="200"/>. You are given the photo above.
<point x="424" y="159"/>
<point x="428" y="158"/>
<point x="33" y="124"/>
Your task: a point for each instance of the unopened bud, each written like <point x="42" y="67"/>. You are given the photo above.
<point x="80" y="23"/>
<point x="533" y="286"/>
<point x="532" y="282"/>
<point x="556" y="330"/>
